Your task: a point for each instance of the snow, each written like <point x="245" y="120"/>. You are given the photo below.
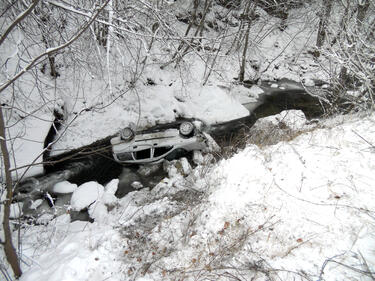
<point x="35" y="204"/>
<point x="299" y="207"/>
<point x="212" y="105"/>
<point x="27" y="147"/>
<point x="308" y="82"/>
<point x="15" y="210"/>
<point x="64" y="187"/>
<point x="85" y="195"/>
<point x="256" y="90"/>
<point x="293" y="119"/>
<point x="157" y="104"/>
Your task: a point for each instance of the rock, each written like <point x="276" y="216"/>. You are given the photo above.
<point x="63" y="187"/>
<point x="198" y="157"/>
<point x="85" y="195"/>
<point x="62" y="204"/>
<point x="308" y="82"/>
<point x="112" y="186"/>
<point x="137" y="185"/>
<point x="175" y="167"/>
<point x="147" y="170"/>
<point x="80" y="216"/>
<point x="45" y="218"/>
<point x="98" y="212"/>
<point x="256" y="91"/>
<point x="35" y="204"/>
<point x="16" y="210"/>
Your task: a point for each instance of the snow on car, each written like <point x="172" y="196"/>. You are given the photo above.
<point x="153" y="146"/>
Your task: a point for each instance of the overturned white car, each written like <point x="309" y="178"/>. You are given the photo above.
<point x="166" y="142"/>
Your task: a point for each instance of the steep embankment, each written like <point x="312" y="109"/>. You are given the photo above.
<point x="301" y="208"/>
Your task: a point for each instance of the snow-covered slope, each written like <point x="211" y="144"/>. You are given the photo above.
<point x="296" y="210"/>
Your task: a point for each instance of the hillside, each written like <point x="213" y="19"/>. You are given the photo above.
<point x="301" y="209"/>
<point x="291" y="200"/>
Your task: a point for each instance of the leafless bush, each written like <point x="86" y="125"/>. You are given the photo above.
<point x="232" y="143"/>
<point x="349" y="48"/>
<point x="273" y="134"/>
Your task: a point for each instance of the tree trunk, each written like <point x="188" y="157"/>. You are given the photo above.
<point x="10" y="251"/>
<point x="241" y="76"/>
<point x="191" y="23"/>
<point x="345" y="18"/>
<point x="199" y="30"/>
<point x="323" y="23"/>
<point x="249" y="16"/>
<point x="52" y="65"/>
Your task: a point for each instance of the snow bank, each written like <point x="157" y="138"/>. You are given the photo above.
<point x="211" y="105"/>
<point x="302" y="208"/>
<point x="154" y="105"/>
<point x="27" y="144"/>
<point x="83" y="255"/>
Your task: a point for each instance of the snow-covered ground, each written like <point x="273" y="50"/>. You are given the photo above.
<point x="301" y="209"/>
<point x="97" y="104"/>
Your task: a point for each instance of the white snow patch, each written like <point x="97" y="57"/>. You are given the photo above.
<point x="212" y="105"/>
<point x="256" y="90"/>
<point x="35" y="204"/>
<point x="64" y="187"/>
<point x="85" y="195"/>
<point x="15" y="210"/>
<point x="293" y="119"/>
<point x="308" y="82"/>
<point x="274" y="85"/>
<point x="27" y="145"/>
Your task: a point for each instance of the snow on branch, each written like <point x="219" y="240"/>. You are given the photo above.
<point x="55" y="49"/>
<point x="18" y="20"/>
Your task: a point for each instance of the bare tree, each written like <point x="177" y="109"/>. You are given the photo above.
<point x="249" y="15"/>
<point x="351" y="51"/>
<point x="323" y="22"/>
<point x="9" y="249"/>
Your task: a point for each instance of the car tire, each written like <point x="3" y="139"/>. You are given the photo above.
<point x="186" y="129"/>
<point x="127" y="134"/>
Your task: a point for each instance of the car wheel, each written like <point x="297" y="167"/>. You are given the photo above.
<point x="126" y="134"/>
<point x="186" y="129"/>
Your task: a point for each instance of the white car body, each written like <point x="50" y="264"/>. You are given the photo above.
<point x="154" y="147"/>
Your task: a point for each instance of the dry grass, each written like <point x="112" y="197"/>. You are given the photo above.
<point x="260" y="136"/>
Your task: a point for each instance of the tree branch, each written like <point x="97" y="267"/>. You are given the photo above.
<point x="18" y="20"/>
<point x="53" y="50"/>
